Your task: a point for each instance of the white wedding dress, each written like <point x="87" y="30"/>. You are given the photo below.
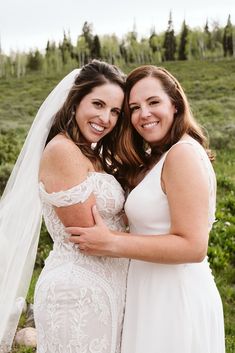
<point x="79" y="299"/>
<point x="169" y="308"/>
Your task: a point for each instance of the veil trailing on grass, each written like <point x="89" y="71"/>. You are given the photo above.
<point x="21" y="216"/>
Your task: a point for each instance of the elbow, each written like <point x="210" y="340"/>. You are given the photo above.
<point x="199" y="253"/>
<point x="199" y="257"/>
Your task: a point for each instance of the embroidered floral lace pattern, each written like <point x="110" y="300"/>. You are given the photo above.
<point x="79" y="300"/>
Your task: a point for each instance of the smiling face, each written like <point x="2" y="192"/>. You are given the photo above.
<point x="152" y="112"/>
<point x="98" y="111"/>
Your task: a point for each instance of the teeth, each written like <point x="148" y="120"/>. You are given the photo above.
<point x="149" y="125"/>
<point x="97" y="127"/>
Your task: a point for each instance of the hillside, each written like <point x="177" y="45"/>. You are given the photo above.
<point x="210" y="87"/>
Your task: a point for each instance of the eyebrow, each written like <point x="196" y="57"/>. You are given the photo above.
<point x="98" y="99"/>
<point x="101" y="101"/>
<point x="148" y="99"/>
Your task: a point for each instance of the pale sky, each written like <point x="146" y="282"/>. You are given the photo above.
<point x="28" y="24"/>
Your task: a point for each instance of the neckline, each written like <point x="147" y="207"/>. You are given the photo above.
<point x="146" y="175"/>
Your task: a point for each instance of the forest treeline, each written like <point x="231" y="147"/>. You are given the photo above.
<point x="210" y="42"/>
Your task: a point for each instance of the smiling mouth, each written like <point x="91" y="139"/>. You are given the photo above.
<point x="150" y="125"/>
<point x="97" y="127"/>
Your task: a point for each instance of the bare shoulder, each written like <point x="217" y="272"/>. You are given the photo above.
<point x="63" y="164"/>
<point x="61" y="149"/>
<point x="183" y="154"/>
<point x="183" y="162"/>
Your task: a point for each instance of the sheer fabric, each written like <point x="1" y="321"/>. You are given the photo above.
<point x="20" y="216"/>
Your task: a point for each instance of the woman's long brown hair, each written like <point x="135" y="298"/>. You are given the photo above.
<point x="132" y="149"/>
<point x="94" y="74"/>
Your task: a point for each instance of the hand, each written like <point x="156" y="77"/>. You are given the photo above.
<point x="97" y="240"/>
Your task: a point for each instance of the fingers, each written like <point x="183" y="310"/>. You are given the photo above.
<point x="74" y="230"/>
<point x="82" y="247"/>
<point x="79" y="242"/>
<point x="75" y="239"/>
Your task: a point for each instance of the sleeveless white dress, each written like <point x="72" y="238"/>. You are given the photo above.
<point x="79" y="300"/>
<point x="169" y="308"/>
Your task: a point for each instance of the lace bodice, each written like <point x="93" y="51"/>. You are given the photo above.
<point x="109" y="200"/>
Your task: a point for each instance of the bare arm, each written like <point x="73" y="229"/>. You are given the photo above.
<point x="186" y="186"/>
<point x="62" y="167"/>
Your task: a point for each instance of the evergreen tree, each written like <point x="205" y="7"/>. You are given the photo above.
<point x="228" y="38"/>
<point x="66" y="48"/>
<point x="208" y="42"/>
<point x="50" y="49"/>
<point x="169" y="44"/>
<point x="35" y="61"/>
<point x="96" y="48"/>
<point x="88" y="36"/>
<point x="123" y="51"/>
<point x="183" y="42"/>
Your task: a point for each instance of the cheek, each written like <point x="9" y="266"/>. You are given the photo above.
<point x="167" y="114"/>
<point x="134" y="119"/>
<point x="113" y="121"/>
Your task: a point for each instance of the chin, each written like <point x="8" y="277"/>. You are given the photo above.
<point x="97" y="139"/>
<point x="152" y="140"/>
<point x="90" y="138"/>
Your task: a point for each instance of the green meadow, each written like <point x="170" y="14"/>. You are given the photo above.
<point x="210" y="86"/>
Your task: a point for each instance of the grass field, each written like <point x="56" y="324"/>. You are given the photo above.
<point x="210" y="87"/>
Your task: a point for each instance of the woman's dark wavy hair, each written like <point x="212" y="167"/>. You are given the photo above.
<point x="132" y="149"/>
<point x="94" y="74"/>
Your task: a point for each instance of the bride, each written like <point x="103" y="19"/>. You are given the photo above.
<point x="79" y="300"/>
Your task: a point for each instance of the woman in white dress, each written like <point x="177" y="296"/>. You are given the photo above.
<point x="79" y="300"/>
<point x="172" y="304"/>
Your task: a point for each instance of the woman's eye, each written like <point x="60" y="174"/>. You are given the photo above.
<point x="134" y="108"/>
<point x="154" y="102"/>
<point x="115" y="112"/>
<point x="97" y="104"/>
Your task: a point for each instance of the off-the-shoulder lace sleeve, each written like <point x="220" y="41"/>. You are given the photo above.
<point x="76" y="194"/>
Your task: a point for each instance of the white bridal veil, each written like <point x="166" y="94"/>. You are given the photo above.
<point x="21" y="215"/>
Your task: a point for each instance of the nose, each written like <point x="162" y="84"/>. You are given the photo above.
<point x="145" y="112"/>
<point x="105" y="116"/>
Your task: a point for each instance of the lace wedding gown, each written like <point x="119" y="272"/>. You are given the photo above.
<point x="169" y="308"/>
<point x="79" y="299"/>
